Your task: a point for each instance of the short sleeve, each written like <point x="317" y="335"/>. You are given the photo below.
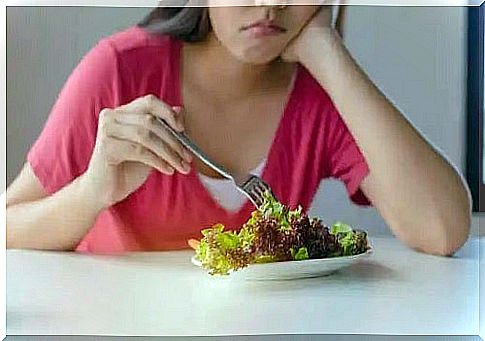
<point x="63" y="150"/>
<point x="345" y="160"/>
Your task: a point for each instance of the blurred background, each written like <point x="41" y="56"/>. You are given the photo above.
<point x="416" y="55"/>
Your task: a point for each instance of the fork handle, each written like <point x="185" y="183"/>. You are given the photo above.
<point x="182" y="138"/>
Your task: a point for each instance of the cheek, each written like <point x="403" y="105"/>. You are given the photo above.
<point x="225" y="27"/>
<point x="220" y="23"/>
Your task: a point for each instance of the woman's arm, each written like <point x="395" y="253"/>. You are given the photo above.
<point x="38" y="221"/>
<point x="419" y="194"/>
<point x="130" y="143"/>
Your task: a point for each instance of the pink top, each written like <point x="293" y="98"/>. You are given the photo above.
<point x="311" y="143"/>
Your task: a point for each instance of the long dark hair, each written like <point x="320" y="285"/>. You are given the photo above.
<point x="192" y="24"/>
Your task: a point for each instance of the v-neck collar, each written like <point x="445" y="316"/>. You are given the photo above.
<point x="193" y="177"/>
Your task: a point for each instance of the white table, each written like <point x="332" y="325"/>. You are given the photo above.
<point x="396" y="291"/>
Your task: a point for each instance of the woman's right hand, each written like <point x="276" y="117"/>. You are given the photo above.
<point x="129" y="143"/>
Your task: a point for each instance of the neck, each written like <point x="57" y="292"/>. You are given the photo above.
<point x="211" y="67"/>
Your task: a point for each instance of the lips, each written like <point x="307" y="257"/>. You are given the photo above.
<point x="263" y="28"/>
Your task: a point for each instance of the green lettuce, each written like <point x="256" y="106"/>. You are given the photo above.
<point x="340" y="227"/>
<point x="301" y="254"/>
<point x="272" y="208"/>
<point x="222" y="251"/>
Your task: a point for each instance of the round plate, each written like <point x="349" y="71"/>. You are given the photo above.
<point x="295" y="269"/>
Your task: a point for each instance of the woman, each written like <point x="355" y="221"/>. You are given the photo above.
<point x="268" y="89"/>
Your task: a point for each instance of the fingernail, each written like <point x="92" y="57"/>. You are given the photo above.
<point x="170" y="171"/>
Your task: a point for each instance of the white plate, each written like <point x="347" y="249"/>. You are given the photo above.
<point x="295" y="269"/>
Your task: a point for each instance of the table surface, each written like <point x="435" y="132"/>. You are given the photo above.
<point x="395" y="291"/>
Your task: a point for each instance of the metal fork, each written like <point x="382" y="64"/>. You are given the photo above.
<point x="250" y="185"/>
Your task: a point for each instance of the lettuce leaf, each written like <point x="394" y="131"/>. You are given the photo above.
<point x="340" y="227"/>
<point x="353" y="242"/>
<point x="301" y="254"/>
<point x="272" y="208"/>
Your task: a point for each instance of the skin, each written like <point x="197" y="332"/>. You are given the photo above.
<point x="424" y="200"/>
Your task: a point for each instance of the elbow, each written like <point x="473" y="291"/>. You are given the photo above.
<point x="9" y="245"/>
<point x="449" y="238"/>
<point x="448" y="248"/>
<point x="21" y="240"/>
<point x="12" y="239"/>
<point x="454" y="220"/>
<point x="453" y="225"/>
<point x="12" y="244"/>
<point x="454" y="241"/>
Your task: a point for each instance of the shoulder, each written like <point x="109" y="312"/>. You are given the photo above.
<point x="141" y="62"/>
<point x="137" y="49"/>
<point x="135" y="40"/>
<point x="131" y="48"/>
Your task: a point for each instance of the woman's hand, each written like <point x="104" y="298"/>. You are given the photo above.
<point x="319" y="25"/>
<point x="129" y="143"/>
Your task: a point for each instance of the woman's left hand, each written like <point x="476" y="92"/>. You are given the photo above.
<point x="320" y="24"/>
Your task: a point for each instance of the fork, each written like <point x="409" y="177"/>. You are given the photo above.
<point x="252" y="186"/>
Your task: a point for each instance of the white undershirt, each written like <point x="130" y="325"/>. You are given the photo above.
<point x="224" y="191"/>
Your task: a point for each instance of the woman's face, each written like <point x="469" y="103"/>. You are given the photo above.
<point x="258" y="34"/>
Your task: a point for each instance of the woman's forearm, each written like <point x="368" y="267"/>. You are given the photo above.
<point x="422" y="198"/>
<point x="57" y="222"/>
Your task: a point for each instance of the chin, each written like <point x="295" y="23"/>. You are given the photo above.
<point x="258" y="58"/>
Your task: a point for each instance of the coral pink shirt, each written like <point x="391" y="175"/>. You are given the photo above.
<point x="311" y="143"/>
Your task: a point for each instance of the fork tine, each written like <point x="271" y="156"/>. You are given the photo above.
<point x="254" y="201"/>
<point x="260" y="200"/>
<point x="263" y="188"/>
<point x="258" y="191"/>
<point x="257" y="196"/>
<point x="255" y="189"/>
<point x="252" y="197"/>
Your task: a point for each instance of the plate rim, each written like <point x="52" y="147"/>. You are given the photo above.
<point x="370" y="250"/>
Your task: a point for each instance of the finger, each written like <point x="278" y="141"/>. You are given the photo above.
<point x="149" y="122"/>
<point x="179" y="115"/>
<point x="142" y="136"/>
<point x="106" y="116"/>
<point x="181" y="118"/>
<point x="151" y="104"/>
<point x="120" y="151"/>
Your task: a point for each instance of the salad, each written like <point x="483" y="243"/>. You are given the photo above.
<point x="275" y="233"/>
